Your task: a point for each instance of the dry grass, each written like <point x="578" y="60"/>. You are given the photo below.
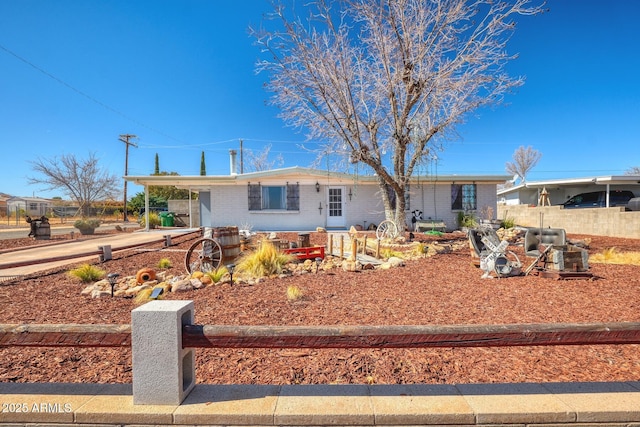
<point x="612" y="256"/>
<point x="294" y="293"/>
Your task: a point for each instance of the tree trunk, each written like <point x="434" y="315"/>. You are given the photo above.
<point x="394" y="203"/>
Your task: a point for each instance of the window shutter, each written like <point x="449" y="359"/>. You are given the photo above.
<point x="293" y="197"/>
<point x="255" y="202"/>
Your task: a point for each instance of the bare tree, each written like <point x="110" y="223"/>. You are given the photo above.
<point x="81" y="180"/>
<point x="635" y="170"/>
<point x="385" y="83"/>
<point x="524" y="159"/>
<point x="259" y="161"/>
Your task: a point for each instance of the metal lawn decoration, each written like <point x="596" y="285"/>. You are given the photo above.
<point x="494" y="257"/>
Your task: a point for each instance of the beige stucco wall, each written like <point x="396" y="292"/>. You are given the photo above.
<point x="613" y="222"/>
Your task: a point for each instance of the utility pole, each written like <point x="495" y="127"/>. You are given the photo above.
<point x="126" y="139"/>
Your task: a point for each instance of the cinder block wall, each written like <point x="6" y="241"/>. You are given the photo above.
<point x="181" y="207"/>
<point x="613" y="222"/>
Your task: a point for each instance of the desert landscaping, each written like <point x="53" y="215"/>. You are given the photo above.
<point x="441" y="287"/>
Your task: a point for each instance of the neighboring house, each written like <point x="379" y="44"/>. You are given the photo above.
<point x="303" y="199"/>
<point x="560" y="190"/>
<point x="32" y="206"/>
<point x="3" y="204"/>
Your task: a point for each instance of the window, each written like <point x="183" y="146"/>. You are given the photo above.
<point x="463" y="197"/>
<point x="274" y="197"/>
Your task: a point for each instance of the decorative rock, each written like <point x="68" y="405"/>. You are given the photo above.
<point x="348" y="265"/>
<point x="196" y="284"/>
<point x="396" y="262"/>
<point x="98" y="293"/>
<point x="88" y="290"/>
<point x="181" y="285"/>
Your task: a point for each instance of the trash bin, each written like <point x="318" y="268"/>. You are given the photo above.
<point x="166" y="219"/>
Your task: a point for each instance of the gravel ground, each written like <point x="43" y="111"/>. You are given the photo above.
<point x="441" y="289"/>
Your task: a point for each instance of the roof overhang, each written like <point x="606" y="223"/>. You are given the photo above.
<point x="597" y="180"/>
<point x="295" y="174"/>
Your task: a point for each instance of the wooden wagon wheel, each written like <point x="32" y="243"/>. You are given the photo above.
<point x="204" y="255"/>
<point x="387" y="230"/>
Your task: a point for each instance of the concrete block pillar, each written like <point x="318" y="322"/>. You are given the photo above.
<point x="163" y="372"/>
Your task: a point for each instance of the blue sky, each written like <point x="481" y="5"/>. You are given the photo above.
<point x="180" y="74"/>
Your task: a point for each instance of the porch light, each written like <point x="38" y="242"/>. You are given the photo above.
<point x="317" y="187"/>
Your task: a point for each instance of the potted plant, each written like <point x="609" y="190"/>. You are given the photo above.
<point x="87" y="226"/>
<point x="466" y="221"/>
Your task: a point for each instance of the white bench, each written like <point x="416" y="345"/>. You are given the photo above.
<point x="430" y="224"/>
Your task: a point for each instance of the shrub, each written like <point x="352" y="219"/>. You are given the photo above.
<point x="87" y="273"/>
<point x="154" y="220"/>
<point x="420" y="249"/>
<point x="387" y="253"/>
<point x="265" y="261"/>
<point x="217" y="274"/>
<point x="294" y="293"/>
<point x="508" y="223"/>
<point x="164" y="263"/>
<point x="144" y="295"/>
<point x="87" y="226"/>
<point x="466" y="220"/>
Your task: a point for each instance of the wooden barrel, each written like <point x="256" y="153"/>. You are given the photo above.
<point x="43" y="230"/>
<point x="229" y="240"/>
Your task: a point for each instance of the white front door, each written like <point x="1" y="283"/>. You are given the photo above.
<point x="335" y="207"/>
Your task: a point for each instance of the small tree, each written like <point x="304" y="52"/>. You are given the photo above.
<point x="203" y="167"/>
<point x="524" y="159"/>
<point x="165" y="192"/>
<point x="633" y="171"/>
<point x="81" y="180"/>
<point x="136" y="203"/>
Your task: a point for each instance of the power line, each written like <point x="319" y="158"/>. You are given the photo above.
<point x="85" y="95"/>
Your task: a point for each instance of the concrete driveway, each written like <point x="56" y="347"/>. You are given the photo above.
<point x="31" y="260"/>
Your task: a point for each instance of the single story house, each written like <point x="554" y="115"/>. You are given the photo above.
<point x="3" y="203"/>
<point x="560" y="190"/>
<point x="303" y="199"/>
<point x="32" y="206"/>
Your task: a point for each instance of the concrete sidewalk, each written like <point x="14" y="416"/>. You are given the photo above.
<point x="31" y="257"/>
<point x="552" y="404"/>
